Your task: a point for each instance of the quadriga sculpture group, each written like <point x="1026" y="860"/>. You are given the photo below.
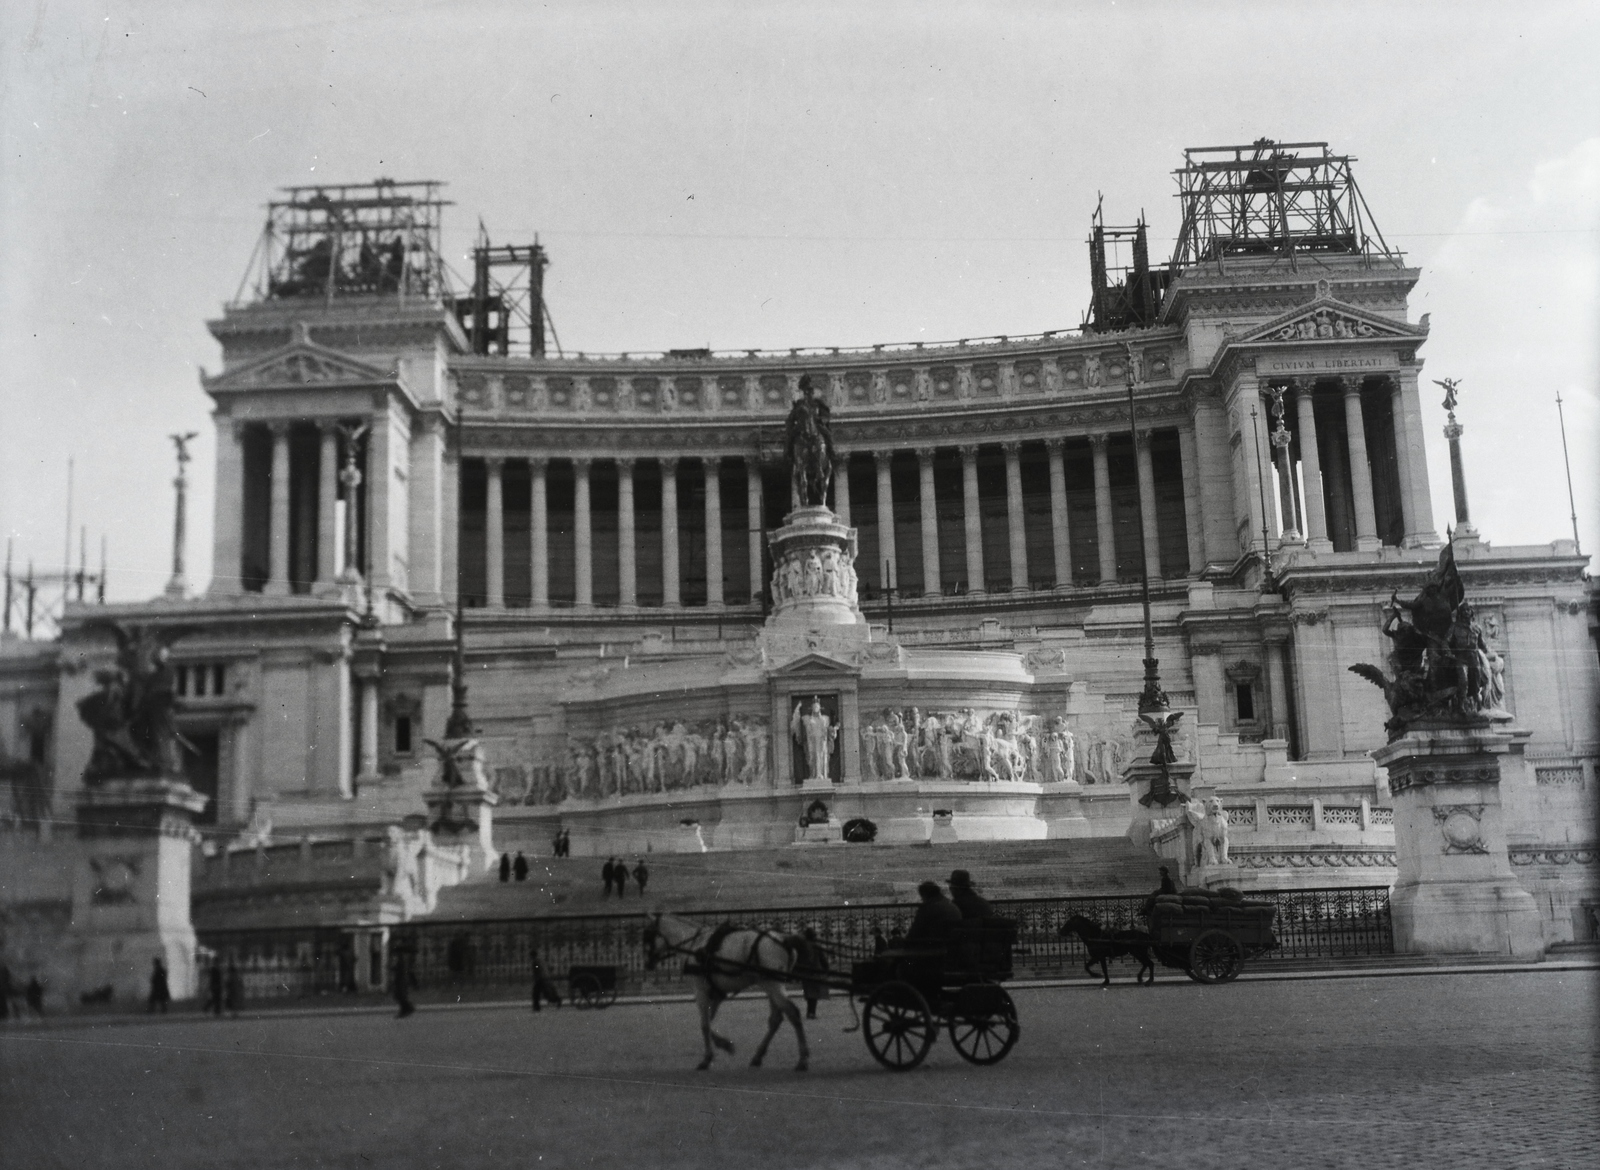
<point x="909" y="744"/>
<point x="668" y="757"/>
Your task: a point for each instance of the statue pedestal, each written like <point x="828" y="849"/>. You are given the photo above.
<point x="1154" y="796"/>
<point x="130" y="889"/>
<point x="813" y="571"/>
<point x="1454" y="892"/>
<point x="944" y="828"/>
<point x="828" y="832"/>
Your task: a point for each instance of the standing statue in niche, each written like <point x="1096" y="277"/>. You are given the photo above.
<point x="815" y="732"/>
<point x="808" y="446"/>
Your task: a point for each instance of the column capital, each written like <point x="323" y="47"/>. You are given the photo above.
<point x="884" y="459"/>
<point x="1012" y="447"/>
<point x="582" y="463"/>
<point x="1098" y="440"/>
<point x="926" y="454"/>
<point x="279" y="428"/>
<point x="969" y="452"/>
<point x="711" y="462"/>
<point x="495" y="463"/>
<point x="1142" y="437"/>
<point x="1055" y="444"/>
<point x="538" y="464"/>
<point x="1302" y="385"/>
<point x="328" y="426"/>
<point x="1350" y="384"/>
<point x="669" y="464"/>
<point x="1264" y="385"/>
<point x="624" y="463"/>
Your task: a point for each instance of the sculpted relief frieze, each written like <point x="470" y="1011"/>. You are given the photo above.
<point x="667" y="757"/>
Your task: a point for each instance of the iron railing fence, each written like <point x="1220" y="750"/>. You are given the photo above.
<point x="1311" y="925"/>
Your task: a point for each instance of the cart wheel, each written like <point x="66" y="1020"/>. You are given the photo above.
<point x="983" y="1026"/>
<point x="585" y="991"/>
<point x="1215" y="957"/>
<point x="898" y="1026"/>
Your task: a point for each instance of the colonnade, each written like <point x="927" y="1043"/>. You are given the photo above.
<point x="746" y="556"/>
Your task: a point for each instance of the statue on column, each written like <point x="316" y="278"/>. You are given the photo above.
<point x="815" y="732"/>
<point x="808" y="446"/>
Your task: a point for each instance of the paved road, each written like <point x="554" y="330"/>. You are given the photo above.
<point x="1446" y="1070"/>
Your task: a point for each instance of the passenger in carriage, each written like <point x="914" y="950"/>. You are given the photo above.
<point x="966" y="897"/>
<point x="935" y="919"/>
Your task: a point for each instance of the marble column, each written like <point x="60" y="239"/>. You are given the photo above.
<point x="1060" y="543"/>
<point x="1416" y="490"/>
<point x="627" y="547"/>
<point x="1194" y="512"/>
<point x="973" y="518"/>
<point x="671" y="596"/>
<point x="1311" y="466"/>
<point x="582" y="535"/>
<point x="886" y="553"/>
<point x="1278" y="682"/>
<point x="494" y="531"/>
<point x="227" y="525"/>
<point x="367" y="768"/>
<point x="713" y="475"/>
<point x="1360" y="469"/>
<point x="1105" y="527"/>
<point x="1147" y="505"/>
<point x="327" y="506"/>
<point x="752" y="505"/>
<point x="931" y="584"/>
<point x="841" y="488"/>
<point x="1016" y="519"/>
<point x="278" y="522"/>
<point x="1397" y="421"/>
<point x="539" y="531"/>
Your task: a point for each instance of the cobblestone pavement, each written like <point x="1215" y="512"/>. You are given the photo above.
<point x="1446" y="1070"/>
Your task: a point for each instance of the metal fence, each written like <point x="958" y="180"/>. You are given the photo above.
<point x="498" y="954"/>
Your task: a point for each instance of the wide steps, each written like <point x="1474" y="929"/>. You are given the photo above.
<point x="810" y="876"/>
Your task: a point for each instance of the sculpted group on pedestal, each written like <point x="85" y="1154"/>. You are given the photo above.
<point x="131" y="712"/>
<point x="814" y="572"/>
<point x="808" y="446"/>
<point x="1442" y="666"/>
<point x="668" y="757"/>
<point x="964" y="745"/>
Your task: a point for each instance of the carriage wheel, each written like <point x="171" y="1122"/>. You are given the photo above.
<point x="898" y="1026"/>
<point x="984" y="1036"/>
<point x="586" y="992"/>
<point x="1215" y="957"/>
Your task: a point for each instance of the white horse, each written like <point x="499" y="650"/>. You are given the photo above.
<point x="725" y="960"/>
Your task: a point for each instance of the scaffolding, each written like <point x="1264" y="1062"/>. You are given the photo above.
<point x="505" y="312"/>
<point x="36" y="600"/>
<point x="1280" y="199"/>
<point x="1126" y="293"/>
<point x="350" y="239"/>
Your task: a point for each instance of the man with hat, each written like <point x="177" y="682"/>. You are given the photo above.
<point x="966" y="897"/>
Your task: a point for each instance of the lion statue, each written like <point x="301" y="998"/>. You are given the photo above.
<point x="1211" y="826"/>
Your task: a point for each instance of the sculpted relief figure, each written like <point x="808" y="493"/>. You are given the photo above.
<point x="815" y="732"/>
<point x="1091" y="371"/>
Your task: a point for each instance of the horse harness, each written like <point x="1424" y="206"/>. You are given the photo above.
<point x="706" y="963"/>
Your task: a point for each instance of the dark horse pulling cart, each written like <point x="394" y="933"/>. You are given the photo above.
<point x="1208" y="935"/>
<point x="909" y="993"/>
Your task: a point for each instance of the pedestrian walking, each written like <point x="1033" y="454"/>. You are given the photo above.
<point x="542" y="987"/>
<point x="620" y="873"/>
<point x="214" y="988"/>
<point x="813" y="963"/>
<point x="35" y="996"/>
<point x="566" y="843"/>
<point x="233" y="989"/>
<point x="555" y="844"/>
<point x="519" y="867"/>
<point x="505" y="867"/>
<point x="401" y="981"/>
<point x="641" y="875"/>
<point x="160" y="992"/>
<point x="608" y="872"/>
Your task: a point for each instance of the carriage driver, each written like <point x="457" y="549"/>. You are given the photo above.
<point x="966" y="897"/>
<point x="934" y="920"/>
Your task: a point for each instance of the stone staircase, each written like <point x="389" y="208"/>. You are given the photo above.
<point x="830" y="875"/>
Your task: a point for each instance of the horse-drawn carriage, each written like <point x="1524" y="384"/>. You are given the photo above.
<point x="907" y="996"/>
<point x="1209" y="936"/>
<point x="592" y="987"/>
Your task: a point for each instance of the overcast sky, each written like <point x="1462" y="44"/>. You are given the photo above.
<point x="746" y="175"/>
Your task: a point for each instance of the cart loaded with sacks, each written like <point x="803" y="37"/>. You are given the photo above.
<point x="1210" y="933"/>
<point x="907" y="994"/>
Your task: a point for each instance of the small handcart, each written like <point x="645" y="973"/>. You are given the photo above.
<point x="1210" y="936"/>
<point x="908" y="994"/>
<point x="592" y="987"/>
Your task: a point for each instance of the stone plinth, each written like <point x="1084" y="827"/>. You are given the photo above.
<point x="1454" y="892"/>
<point x="130" y="896"/>
<point x="460" y="804"/>
<point x="1146" y="802"/>
<point x="813" y="571"/>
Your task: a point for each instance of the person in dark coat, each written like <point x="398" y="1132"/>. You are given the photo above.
<point x="214" y="988"/>
<point x="608" y="872"/>
<point x="505" y="867"/>
<point x="233" y="983"/>
<point x="813" y="962"/>
<point x="934" y="919"/>
<point x="620" y="873"/>
<point x="160" y="992"/>
<point x="641" y="875"/>
<point x="542" y="987"/>
<point x="879" y="943"/>
<point x="401" y="981"/>
<point x="34" y="993"/>
<point x="966" y="898"/>
<point x="566" y="843"/>
<point x="519" y="867"/>
<point x="555" y="843"/>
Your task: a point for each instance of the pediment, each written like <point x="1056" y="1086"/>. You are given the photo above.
<point x="814" y="663"/>
<point x="300" y="363"/>
<point x="1327" y="319"/>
